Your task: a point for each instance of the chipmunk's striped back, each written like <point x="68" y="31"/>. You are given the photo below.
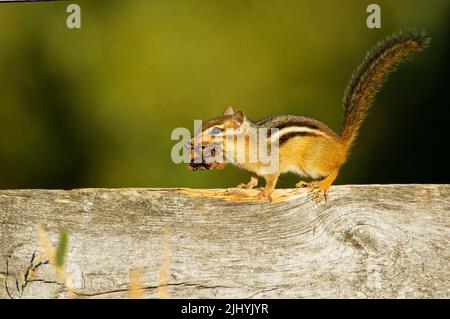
<point x="291" y="126"/>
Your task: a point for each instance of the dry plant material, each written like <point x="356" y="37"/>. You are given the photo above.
<point x="56" y="256"/>
<point x="135" y="287"/>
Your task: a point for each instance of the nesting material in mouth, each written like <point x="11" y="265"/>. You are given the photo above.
<point x="206" y="166"/>
<point x="196" y="164"/>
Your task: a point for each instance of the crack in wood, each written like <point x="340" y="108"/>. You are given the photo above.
<point x="261" y="292"/>
<point x="149" y="288"/>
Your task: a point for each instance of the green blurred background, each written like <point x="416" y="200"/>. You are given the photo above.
<point x="95" y="107"/>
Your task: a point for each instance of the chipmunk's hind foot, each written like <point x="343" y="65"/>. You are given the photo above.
<point x="313" y="188"/>
<point x="318" y="189"/>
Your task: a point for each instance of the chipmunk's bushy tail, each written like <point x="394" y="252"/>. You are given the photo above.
<point x="370" y="75"/>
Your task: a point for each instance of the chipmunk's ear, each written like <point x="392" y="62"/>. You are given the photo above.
<point x="239" y="118"/>
<point x="228" y="111"/>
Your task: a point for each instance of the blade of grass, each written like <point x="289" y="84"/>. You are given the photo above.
<point x="62" y="248"/>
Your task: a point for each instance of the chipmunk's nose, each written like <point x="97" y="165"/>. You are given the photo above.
<point x="190" y="145"/>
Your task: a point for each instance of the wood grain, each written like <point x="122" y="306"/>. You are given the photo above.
<point x="366" y="241"/>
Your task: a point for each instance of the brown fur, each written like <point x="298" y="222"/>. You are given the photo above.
<point x="370" y="75"/>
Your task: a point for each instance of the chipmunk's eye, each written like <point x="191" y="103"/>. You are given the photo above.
<point x="215" y="131"/>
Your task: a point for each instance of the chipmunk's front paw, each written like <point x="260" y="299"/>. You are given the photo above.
<point x="251" y="184"/>
<point x="246" y="186"/>
<point x="265" y="194"/>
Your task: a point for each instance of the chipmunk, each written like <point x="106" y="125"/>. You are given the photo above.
<point x="307" y="146"/>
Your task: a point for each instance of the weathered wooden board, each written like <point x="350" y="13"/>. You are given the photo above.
<point x="365" y="241"/>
